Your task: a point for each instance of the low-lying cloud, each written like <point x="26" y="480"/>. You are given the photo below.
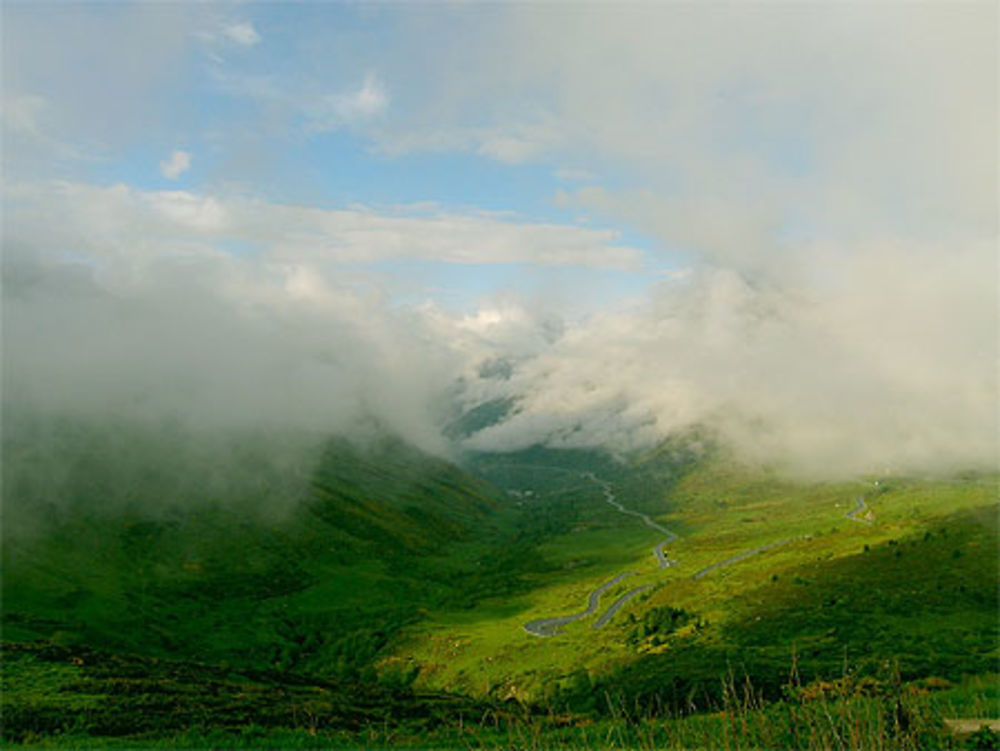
<point x="885" y="360"/>
<point x="821" y="176"/>
<point x="848" y="360"/>
<point x="211" y="338"/>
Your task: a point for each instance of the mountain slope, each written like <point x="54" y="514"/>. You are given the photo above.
<point x="761" y="568"/>
<point x="389" y="569"/>
<point x="361" y="544"/>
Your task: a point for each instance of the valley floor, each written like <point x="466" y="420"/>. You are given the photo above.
<point x="668" y="603"/>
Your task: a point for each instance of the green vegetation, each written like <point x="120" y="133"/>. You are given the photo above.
<point x="81" y="698"/>
<point x="721" y="510"/>
<point x="383" y="602"/>
<point x="318" y="587"/>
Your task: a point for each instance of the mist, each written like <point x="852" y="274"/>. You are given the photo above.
<point x="884" y="362"/>
<point x="874" y="360"/>
<point x="786" y="221"/>
<point x="171" y="344"/>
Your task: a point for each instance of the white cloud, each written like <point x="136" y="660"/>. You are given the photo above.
<point x="185" y="211"/>
<point x="888" y="361"/>
<point x="350" y="108"/>
<point x="519" y="143"/>
<point x="156" y="221"/>
<point x="508" y="149"/>
<point x="885" y="357"/>
<point x="242" y="33"/>
<point x="215" y="309"/>
<point x="218" y="34"/>
<point x="26" y="119"/>
<point x="177" y="165"/>
<point x="833" y="165"/>
<point x="131" y="309"/>
<point x="515" y="143"/>
<point x="21" y="113"/>
<point x="846" y="119"/>
<point x="570" y="174"/>
<point x="109" y="75"/>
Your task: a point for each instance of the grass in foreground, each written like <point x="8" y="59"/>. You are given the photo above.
<point x="73" y="698"/>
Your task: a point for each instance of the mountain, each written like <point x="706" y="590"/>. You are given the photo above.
<point x="762" y="573"/>
<point x="136" y="547"/>
<point x="347" y="585"/>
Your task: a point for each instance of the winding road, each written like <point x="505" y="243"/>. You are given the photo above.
<point x="552" y="626"/>
<point x="658" y="551"/>
<point x="741" y="556"/>
<point x="861" y="506"/>
<point x="610" y="612"/>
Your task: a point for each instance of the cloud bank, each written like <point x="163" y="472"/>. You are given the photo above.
<point x="888" y="362"/>
<point x="236" y="311"/>
<point x="821" y="178"/>
<point x="832" y="170"/>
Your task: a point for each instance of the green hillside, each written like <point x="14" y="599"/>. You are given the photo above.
<point x="383" y="597"/>
<point x="317" y="584"/>
<point x="800" y="582"/>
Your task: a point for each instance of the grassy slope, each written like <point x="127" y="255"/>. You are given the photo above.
<point x="820" y="593"/>
<point x="60" y="692"/>
<point x="356" y="578"/>
<point x="320" y="587"/>
<point x="82" y="698"/>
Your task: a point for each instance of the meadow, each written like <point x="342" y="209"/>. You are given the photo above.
<point x="385" y="607"/>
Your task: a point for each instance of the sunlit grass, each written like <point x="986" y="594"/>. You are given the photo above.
<point x="309" y="600"/>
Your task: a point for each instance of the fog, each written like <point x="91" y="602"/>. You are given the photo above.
<point x="176" y="341"/>
<point x="814" y="188"/>
<point x="886" y="363"/>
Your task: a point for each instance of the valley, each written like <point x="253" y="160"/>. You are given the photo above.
<point x="550" y="626"/>
<point x="511" y="586"/>
<point x="744" y="539"/>
<point x="499" y="376"/>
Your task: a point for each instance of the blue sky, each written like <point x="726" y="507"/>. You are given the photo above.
<point x="720" y="135"/>
<point x="268" y="100"/>
<point x="522" y="110"/>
